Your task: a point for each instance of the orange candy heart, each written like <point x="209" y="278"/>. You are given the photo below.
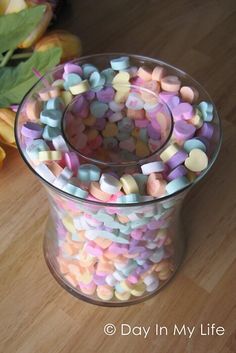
<point x="156" y="186"/>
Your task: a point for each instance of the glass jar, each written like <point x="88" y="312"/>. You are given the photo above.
<point x="110" y="253"/>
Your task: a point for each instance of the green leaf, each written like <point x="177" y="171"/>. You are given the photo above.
<point x="16" y="81"/>
<point x="15" y="27"/>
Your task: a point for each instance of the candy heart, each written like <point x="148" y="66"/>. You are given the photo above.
<point x="206" y="110"/>
<point x="98" y="109"/>
<point x="88" y="69"/>
<point x="110" y="143"/>
<point x="125" y="125"/>
<point x="55" y="103"/>
<point x="109" y="75"/>
<point x="197" y="160"/>
<point x="97" y="81"/>
<point x="105" y="95"/>
<point x="170" y="83"/>
<point x="134" y="102"/>
<point x="50" y="132"/>
<point x="110" y="130"/>
<point x="121" y="82"/>
<point x="89" y="172"/>
<point x="183" y="111"/>
<point x="32" y="130"/>
<point x="121" y="63"/>
<point x="189" y="94"/>
<point x="142" y="149"/>
<point x="72" y="68"/>
<point x="155" y="185"/>
<point x="128" y="144"/>
<point x="173" y="102"/>
<point x="51" y="117"/>
<point x="183" y="130"/>
<point x="109" y="184"/>
<point x="71" y="80"/>
<point x="47" y="93"/>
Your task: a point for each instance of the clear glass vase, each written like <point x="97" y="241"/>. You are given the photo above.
<point x="108" y="253"/>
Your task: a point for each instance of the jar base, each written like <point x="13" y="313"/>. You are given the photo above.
<point x="92" y="299"/>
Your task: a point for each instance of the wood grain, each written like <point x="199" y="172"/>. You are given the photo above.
<point x="37" y="315"/>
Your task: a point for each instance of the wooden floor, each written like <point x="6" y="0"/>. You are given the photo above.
<point x="36" y="314"/>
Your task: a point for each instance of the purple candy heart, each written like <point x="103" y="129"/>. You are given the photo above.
<point x="177" y="159"/>
<point x="153" y="131"/>
<point x="32" y="130"/>
<point x="206" y="130"/>
<point x="72" y="68"/>
<point x="177" y="173"/>
<point x="105" y="95"/>
<point x="183" y="130"/>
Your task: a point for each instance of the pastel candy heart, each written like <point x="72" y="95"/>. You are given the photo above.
<point x="189" y="145"/>
<point x="71" y="79"/>
<point x="125" y="125"/>
<point x="173" y="102"/>
<point x="183" y="130"/>
<point x="116" y="107"/>
<point x="206" y="110"/>
<point x="88" y="69"/>
<point x="98" y="109"/>
<point x="110" y="143"/>
<point x="35" y="147"/>
<point x="197" y="160"/>
<point x="72" y="68"/>
<point x="50" y="132"/>
<point x="182" y="111"/>
<point x="189" y="94"/>
<point x="32" y="130"/>
<point x="128" y="144"/>
<point x="176" y="185"/>
<point x="121" y="63"/>
<point x="105" y="95"/>
<point x="89" y="172"/>
<point x="97" y="81"/>
<point x="121" y="81"/>
<point x="130" y="198"/>
<point x="51" y="117"/>
<point x="155" y="185"/>
<point x="141" y="149"/>
<point x="134" y="102"/>
<point x="109" y="184"/>
<point x="109" y="75"/>
<point x="55" y="103"/>
<point x="110" y="130"/>
<point x="75" y="190"/>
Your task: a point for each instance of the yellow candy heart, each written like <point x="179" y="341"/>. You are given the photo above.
<point x="141" y="149"/>
<point x="110" y="130"/>
<point x="197" y="160"/>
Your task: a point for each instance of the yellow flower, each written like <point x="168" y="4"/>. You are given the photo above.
<point x="69" y="43"/>
<point x="10" y="6"/>
<point x="2" y="156"/>
<point x="7" y="119"/>
<point x="39" y="29"/>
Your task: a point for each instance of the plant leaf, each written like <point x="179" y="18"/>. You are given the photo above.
<point x="16" y="81"/>
<point x="15" y="27"/>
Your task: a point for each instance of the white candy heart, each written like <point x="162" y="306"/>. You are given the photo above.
<point x="197" y="160"/>
<point x="134" y="102"/>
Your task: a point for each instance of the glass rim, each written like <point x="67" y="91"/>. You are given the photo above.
<point x="133" y="204"/>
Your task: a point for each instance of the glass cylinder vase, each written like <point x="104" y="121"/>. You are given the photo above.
<point x="114" y="253"/>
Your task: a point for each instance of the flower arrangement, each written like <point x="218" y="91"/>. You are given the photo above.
<point x="24" y="48"/>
